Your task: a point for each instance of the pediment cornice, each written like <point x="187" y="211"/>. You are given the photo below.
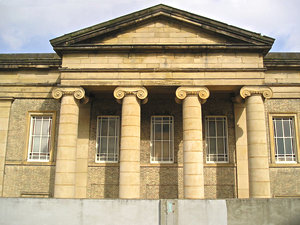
<point x="246" y="38"/>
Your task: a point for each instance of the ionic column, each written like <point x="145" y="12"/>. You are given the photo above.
<point x="65" y="172"/>
<point x="129" y="181"/>
<point x="259" y="177"/>
<point x="193" y="177"/>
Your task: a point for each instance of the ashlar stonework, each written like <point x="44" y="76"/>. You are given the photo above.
<point x="158" y="104"/>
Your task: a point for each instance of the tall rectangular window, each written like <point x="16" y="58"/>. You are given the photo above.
<point x="162" y="139"/>
<point x="216" y="139"/>
<point x="284" y="139"/>
<point x="40" y="138"/>
<point x="107" y="139"/>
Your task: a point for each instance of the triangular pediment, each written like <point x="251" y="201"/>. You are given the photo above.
<point x="161" y="25"/>
<point x="161" y="31"/>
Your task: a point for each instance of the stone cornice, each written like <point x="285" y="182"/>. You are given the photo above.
<point x="202" y="92"/>
<point x="38" y="61"/>
<point x="180" y="70"/>
<point x="11" y="99"/>
<point x="247" y="91"/>
<point x="163" y="48"/>
<point x="77" y="92"/>
<point x="140" y="92"/>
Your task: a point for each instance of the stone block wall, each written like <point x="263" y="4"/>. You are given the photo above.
<point x="220" y="179"/>
<point x="162" y="60"/>
<point x="161" y="180"/>
<point x="103" y="178"/>
<point x="22" y="178"/>
<point x="285" y="179"/>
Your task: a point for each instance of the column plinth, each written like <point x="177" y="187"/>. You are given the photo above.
<point x="258" y="157"/>
<point x="65" y="173"/>
<point x="193" y="176"/>
<point x="129" y="182"/>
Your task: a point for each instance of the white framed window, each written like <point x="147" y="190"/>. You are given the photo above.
<point x="107" y="146"/>
<point x="284" y="141"/>
<point x="216" y="139"/>
<point x="40" y="140"/>
<point x="162" y="139"/>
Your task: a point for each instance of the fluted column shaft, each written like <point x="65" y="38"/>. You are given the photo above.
<point x="259" y="177"/>
<point x="65" y="173"/>
<point x="129" y="181"/>
<point x="193" y="176"/>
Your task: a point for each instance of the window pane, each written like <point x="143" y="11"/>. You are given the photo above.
<point x="103" y="141"/>
<point x="108" y="139"/>
<point x="220" y="128"/>
<point x="212" y="128"/>
<point x="111" y="145"/>
<point x="112" y="125"/>
<point x="36" y="144"/>
<point x="287" y="128"/>
<point x="157" y="131"/>
<point x="220" y="145"/>
<point x="280" y="146"/>
<point x="157" y="147"/>
<point x="45" y="127"/>
<point x="37" y="126"/>
<point x="162" y="139"/>
<point x="166" y="131"/>
<point x="44" y="145"/>
<point x="288" y="146"/>
<point x="284" y="139"/>
<point x="212" y="146"/>
<point x="216" y="138"/>
<point x="166" y="151"/>
<point x="40" y="138"/>
<point x="104" y="127"/>
<point x="278" y="125"/>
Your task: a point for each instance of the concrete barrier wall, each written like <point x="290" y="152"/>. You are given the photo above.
<point x="17" y="211"/>
<point x="25" y="211"/>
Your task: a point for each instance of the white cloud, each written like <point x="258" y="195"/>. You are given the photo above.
<point x="22" y="21"/>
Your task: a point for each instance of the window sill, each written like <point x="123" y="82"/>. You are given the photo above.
<point x="219" y="164"/>
<point x="284" y="165"/>
<point x="29" y="163"/>
<point x="104" y="164"/>
<point x="165" y="164"/>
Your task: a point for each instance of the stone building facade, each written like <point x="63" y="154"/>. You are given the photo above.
<point x="160" y="103"/>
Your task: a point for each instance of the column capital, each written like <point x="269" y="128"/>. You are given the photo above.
<point x="202" y="92"/>
<point x="140" y="92"/>
<point x="247" y="91"/>
<point x="77" y="92"/>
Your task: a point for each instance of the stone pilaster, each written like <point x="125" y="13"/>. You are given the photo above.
<point x="258" y="159"/>
<point x="130" y="140"/>
<point x="193" y="177"/>
<point x="82" y="151"/>
<point x="5" y="105"/>
<point x="65" y="174"/>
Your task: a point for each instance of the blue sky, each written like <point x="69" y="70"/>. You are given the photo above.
<point x="26" y="26"/>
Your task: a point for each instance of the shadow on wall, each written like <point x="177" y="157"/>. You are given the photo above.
<point x="219" y="178"/>
<point x="160" y="180"/>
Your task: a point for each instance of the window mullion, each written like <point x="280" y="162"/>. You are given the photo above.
<point x="169" y="156"/>
<point x="107" y="139"/>
<point x="224" y="144"/>
<point x="100" y="139"/>
<point x="283" y="138"/>
<point x="161" y="140"/>
<point x="216" y="135"/>
<point x="41" y="137"/>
